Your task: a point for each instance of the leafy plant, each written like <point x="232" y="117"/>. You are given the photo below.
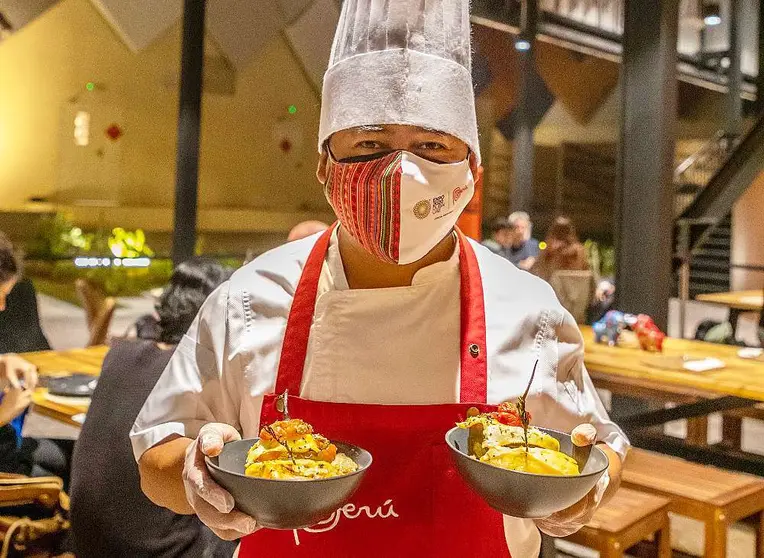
<point x="601" y="258"/>
<point x="57" y="237"/>
<point x="129" y="244"/>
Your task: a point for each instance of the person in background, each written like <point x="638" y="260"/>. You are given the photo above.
<point x="523" y="249"/>
<point x="110" y="515"/>
<point x="501" y="236"/>
<point x="564" y="250"/>
<point x="10" y="270"/>
<point x="18" y="379"/>
<point x="20" y="332"/>
<point x="305" y="229"/>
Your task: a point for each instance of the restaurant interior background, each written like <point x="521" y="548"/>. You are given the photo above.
<point x="89" y="97"/>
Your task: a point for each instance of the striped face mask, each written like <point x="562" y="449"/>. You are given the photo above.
<point x="398" y="206"/>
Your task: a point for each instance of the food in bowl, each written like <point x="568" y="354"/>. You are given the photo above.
<point x="290" y="450"/>
<point x="500" y="439"/>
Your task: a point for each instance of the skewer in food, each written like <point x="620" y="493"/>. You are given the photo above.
<point x="499" y="439"/>
<point x="290" y="450"/>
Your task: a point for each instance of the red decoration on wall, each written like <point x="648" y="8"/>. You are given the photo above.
<point x="114" y="132"/>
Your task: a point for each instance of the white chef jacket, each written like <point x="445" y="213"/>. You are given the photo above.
<point x="404" y="350"/>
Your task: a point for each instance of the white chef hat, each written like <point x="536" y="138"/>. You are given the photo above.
<point x="401" y="62"/>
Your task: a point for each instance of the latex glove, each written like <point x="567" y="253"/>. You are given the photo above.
<point x="568" y="521"/>
<point x="212" y="503"/>
<point x="15" y="400"/>
<point x="17" y="372"/>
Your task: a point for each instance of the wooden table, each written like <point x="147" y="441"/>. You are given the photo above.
<point x="636" y="373"/>
<point x="637" y="369"/>
<point x="738" y="302"/>
<point x="53" y="363"/>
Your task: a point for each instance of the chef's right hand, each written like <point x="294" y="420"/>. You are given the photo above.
<point x="211" y="502"/>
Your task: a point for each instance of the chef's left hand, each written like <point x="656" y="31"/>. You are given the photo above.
<point x="570" y="520"/>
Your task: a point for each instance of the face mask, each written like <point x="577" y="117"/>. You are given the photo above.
<point x="398" y="206"/>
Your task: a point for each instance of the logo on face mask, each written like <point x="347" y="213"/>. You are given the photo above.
<point x="458" y="192"/>
<point x="439" y="204"/>
<point x="422" y="209"/>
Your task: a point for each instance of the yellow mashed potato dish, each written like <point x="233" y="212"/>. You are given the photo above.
<point x="290" y="450"/>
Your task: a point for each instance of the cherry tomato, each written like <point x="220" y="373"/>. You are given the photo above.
<point x="327" y="454"/>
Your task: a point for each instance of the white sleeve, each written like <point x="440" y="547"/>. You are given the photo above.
<point x="195" y="387"/>
<point x="576" y="401"/>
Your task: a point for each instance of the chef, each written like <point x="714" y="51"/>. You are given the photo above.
<point x="384" y="328"/>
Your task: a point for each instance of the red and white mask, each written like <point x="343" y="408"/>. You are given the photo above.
<point x="398" y="206"/>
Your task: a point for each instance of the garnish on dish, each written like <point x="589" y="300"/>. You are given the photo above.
<point x="498" y="439"/>
<point x="290" y="450"/>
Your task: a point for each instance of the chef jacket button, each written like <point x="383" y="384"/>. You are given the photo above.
<point x="474" y="350"/>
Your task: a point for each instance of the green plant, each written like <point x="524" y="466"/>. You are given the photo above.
<point x="57" y="237"/>
<point x="129" y="244"/>
<point x="57" y="278"/>
<point x="601" y="258"/>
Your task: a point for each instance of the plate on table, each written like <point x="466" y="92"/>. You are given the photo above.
<point x="73" y="385"/>
<point x="683" y="363"/>
<point x="751" y="353"/>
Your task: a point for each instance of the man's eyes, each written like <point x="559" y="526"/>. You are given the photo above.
<point x="432" y="146"/>
<point x="368" y="144"/>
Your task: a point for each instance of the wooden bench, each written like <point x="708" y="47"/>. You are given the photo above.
<point x="732" y="424"/>
<point x="716" y="497"/>
<point x="629" y="518"/>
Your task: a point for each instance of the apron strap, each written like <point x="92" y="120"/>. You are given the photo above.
<point x="474" y="362"/>
<point x="295" y="346"/>
<point x="474" y="371"/>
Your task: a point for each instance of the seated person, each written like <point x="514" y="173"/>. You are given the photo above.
<point x="564" y="251"/>
<point x="110" y="515"/>
<point x="20" y="330"/>
<point x="18" y="379"/>
<point x="501" y="236"/>
<point x="522" y="249"/>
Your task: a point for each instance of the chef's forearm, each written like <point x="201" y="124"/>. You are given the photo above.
<point x="161" y="469"/>
<point x="614" y="471"/>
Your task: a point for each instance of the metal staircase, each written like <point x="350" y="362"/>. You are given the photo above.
<point x="707" y="185"/>
<point x="710" y="261"/>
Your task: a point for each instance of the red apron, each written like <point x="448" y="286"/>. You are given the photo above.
<point x="412" y="501"/>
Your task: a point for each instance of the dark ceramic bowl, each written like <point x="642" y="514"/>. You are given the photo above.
<point x="285" y="504"/>
<point x="528" y="495"/>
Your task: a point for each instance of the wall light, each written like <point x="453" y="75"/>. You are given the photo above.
<point x="82" y="128"/>
<point x="522" y="45"/>
<point x="711" y="14"/>
<point x="89" y="261"/>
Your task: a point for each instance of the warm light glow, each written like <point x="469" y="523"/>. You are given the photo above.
<point x="82" y="128"/>
<point x="542" y="245"/>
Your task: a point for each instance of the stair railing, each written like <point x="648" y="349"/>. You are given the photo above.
<point x="696" y="171"/>
<point x="691" y="176"/>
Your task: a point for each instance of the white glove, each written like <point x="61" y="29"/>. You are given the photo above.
<point x="570" y="520"/>
<point x="212" y="503"/>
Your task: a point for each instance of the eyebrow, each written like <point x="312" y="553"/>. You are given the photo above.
<point x="382" y="128"/>
<point x="433" y="131"/>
